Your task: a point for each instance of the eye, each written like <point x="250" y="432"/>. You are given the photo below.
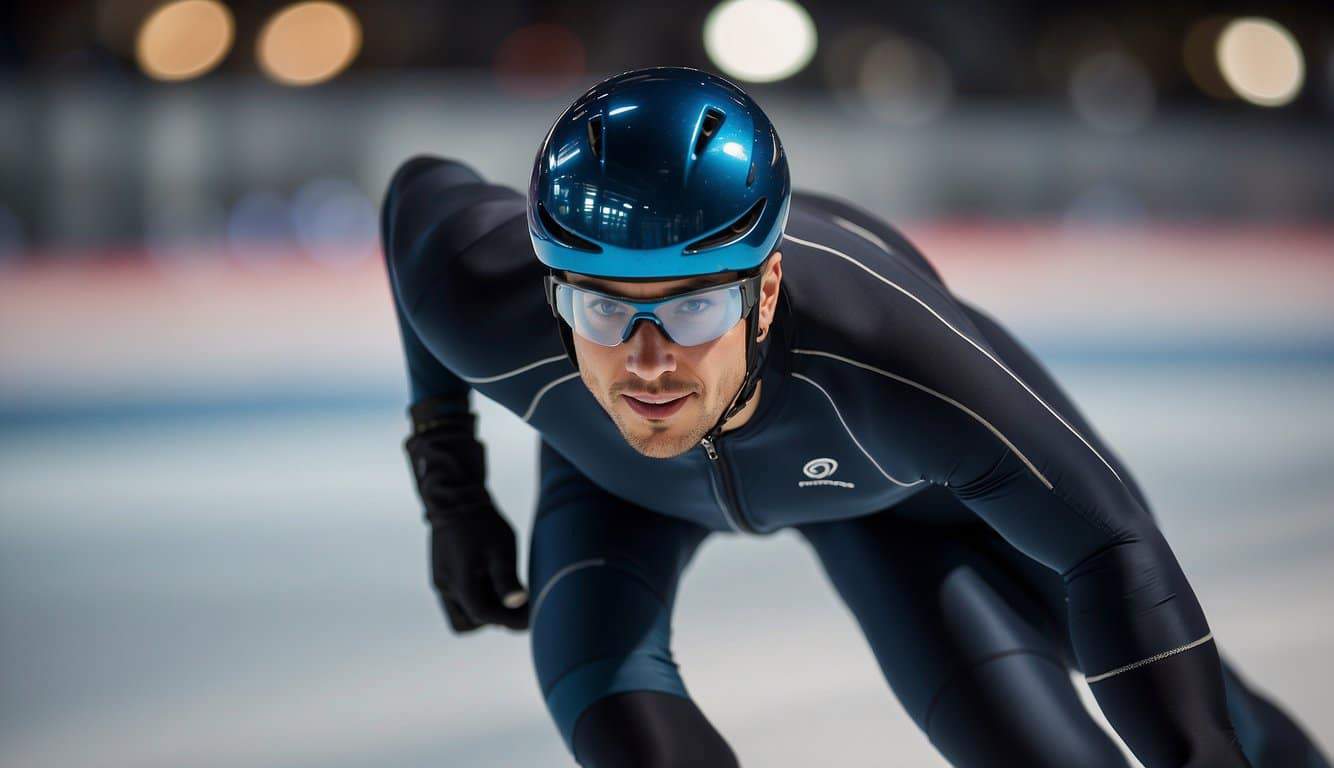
<point x="604" y="308"/>
<point x="694" y="306"/>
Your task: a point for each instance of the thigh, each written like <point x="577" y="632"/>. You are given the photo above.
<point x="604" y="574"/>
<point x="972" y="649"/>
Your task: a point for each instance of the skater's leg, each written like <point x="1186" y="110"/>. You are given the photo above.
<point x="649" y="729"/>
<point x="1268" y="736"/>
<point x="965" y="649"/>
<point x="605" y="573"/>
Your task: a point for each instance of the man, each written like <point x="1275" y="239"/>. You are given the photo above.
<point x="730" y="356"/>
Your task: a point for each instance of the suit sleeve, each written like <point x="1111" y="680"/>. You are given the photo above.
<point x="1138" y="630"/>
<point x="424" y="192"/>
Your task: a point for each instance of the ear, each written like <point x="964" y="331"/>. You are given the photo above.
<point x="769" y="285"/>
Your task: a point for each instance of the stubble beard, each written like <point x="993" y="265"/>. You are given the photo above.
<point x="666" y="441"/>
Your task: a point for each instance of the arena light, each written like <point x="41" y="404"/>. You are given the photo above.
<point x="904" y="82"/>
<point x="335" y="222"/>
<point x="540" y="60"/>
<point x="760" y="41"/>
<point x="184" y="40"/>
<point x="259" y="229"/>
<point x="308" y="43"/>
<point x="1261" y="61"/>
<point x="1113" y="92"/>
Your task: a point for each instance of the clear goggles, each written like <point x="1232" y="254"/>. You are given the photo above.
<point x="690" y="318"/>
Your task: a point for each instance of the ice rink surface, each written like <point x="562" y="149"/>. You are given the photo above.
<point x="251" y="590"/>
<point x="211" y="552"/>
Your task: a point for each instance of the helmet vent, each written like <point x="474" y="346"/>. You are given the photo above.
<point x="773" y="155"/>
<point x="708" y="128"/>
<point x="750" y="176"/>
<point x="732" y="232"/>
<point x="562" y="235"/>
<point x="595" y="135"/>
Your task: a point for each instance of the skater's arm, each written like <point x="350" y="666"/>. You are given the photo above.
<point x="979" y="429"/>
<point x="473" y="553"/>
<point x="1139" y="632"/>
<point x="423" y="192"/>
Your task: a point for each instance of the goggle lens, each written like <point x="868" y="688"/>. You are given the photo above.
<point x="697" y="317"/>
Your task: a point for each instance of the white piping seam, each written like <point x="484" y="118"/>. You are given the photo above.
<point x="538" y="397"/>
<point x="946" y="398"/>
<point x="866" y="234"/>
<point x="961" y="335"/>
<point x="562" y="573"/>
<point x="855" y="441"/>
<point x="1150" y="660"/>
<point x="507" y="374"/>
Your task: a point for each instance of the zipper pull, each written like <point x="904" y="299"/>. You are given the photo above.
<point x="707" y="442"/>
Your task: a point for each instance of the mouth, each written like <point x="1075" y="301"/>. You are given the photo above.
<point x="655" y="406"/>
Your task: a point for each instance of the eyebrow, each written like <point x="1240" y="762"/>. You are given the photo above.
<point x="698" y="282"/>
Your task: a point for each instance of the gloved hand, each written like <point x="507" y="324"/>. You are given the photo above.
<point x="473" y="554"/>
<point x="474" y="572"/>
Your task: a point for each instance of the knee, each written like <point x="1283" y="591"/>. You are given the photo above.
<point x="648" y="729"/>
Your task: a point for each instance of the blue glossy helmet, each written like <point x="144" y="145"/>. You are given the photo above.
<point x="659" y="173"/>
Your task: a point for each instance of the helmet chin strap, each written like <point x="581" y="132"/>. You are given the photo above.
<point x="754" y="356"/>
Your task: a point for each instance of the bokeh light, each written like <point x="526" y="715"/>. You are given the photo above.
<point x="760" y="41"/>
<point x="182" y="232"/>
<point x="185" y="39"/>
<point x="1261" y="61"/>
<point x="1112" y="92"/>
<point x="540" y="60"/>
<point x="844" y="53"/>
<point x="904" y="82"/>
<point x="1104" y="205"/>
<point x="309" y="43"/>
<point x="335" y="222"/>
<point x="259" y="229"/>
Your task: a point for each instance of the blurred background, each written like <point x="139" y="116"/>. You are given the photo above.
<point x="210" y="549"/>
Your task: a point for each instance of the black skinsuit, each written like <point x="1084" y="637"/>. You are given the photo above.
<point x="975" y="524"/>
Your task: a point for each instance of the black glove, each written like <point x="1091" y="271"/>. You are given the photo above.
<point x="473" y="556"/>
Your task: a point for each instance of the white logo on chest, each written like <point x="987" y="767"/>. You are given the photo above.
<point x="819" y="470"/>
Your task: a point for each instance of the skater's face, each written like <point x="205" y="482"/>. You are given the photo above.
<point x="663" y="396"/>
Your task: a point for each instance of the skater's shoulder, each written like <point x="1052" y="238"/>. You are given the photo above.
<point x="851" y="273"/>
<point x="835" y="225"/>
<point x="432" y="171"/>
<point x="427" y="187"/>
<point x="436" y="208"/>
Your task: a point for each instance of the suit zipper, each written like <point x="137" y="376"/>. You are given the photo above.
<point x="728" y="502"/>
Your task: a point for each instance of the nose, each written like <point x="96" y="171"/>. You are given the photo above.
<point x="648" y="353"/>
